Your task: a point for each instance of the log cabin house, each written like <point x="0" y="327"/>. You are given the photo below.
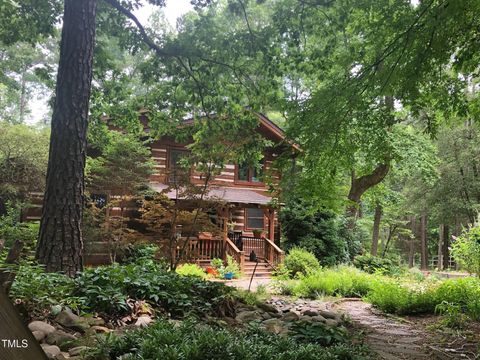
<point x="248" y="207"/>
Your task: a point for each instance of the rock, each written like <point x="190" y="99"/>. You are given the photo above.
<point x="55" y="309"/>
<point x="248" y="316"/>
<point x="38" y="335"/>
<point x="62" y="356"/>
<point x="96" y="321"/>
<point x="50" y="350"/>
<point x="230" y="321"/>
<point x="318" y="318"/>
<point x="290" y="316"/>
<point x="78" y="350"/>
<point x="72" y="321"/>
<point x="331" y="322"/>
<point x="60" y="338"/>
<point x="266" y="316"/>
<point x="41" y="326"/>
<point x="143" y="320"/>
<point x="310" y="312"/>
<point x="328" y="314"/>
<point x="100" y="329"/>
<point x="268" y="308"/>
<point x="274" y="326"/>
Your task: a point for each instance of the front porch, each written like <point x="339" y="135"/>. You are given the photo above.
<point x="202" y="250"/>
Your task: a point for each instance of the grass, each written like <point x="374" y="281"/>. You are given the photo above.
<point x="401" y="295"/>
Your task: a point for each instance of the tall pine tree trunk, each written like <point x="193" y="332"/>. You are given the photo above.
<point x="411" y="253"/>
<point x="423" y="239"/>
<point x="441" y="241"/>
<point x="60" y="244"/>
<point x="376" y="229"/>
<point x="446" y="244"/>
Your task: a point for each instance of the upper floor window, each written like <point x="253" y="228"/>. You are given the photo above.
<point x="248" y="173"/>
<point x="175" y="169"/>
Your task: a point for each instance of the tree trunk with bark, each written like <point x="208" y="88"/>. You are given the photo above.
<point x="423" y="239"/>
<point x="446" y="244"/>
<point x="363" y="183"/>
<point x="60" y="243"/>
<point x="411" y="253"/>
<point x="376" y="229"/>
<point x="441" y="241"/>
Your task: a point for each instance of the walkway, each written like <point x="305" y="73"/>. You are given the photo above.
<point x="392" y="339"/>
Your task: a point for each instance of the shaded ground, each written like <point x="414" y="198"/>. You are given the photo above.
<point x="393" y="338"/>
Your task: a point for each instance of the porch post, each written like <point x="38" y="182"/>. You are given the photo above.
<point x="271" y="225"/>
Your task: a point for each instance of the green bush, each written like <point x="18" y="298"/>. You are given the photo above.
<point x="38" y="290"/>
<point x="315" y="230"/>
<point x="377" y="265"/>
<point x="194" y="341"/>
<point x="342" y="281"/>
<point x="191" y="270"/>
<point x="466" y="250"/>
<point x="106" y="289"/>
<point x="300" y="261"/>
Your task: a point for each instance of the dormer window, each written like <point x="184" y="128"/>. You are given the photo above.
<point x="248" y="173"/>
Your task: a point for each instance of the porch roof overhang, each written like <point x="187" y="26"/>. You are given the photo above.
<point x="226" y="194"/>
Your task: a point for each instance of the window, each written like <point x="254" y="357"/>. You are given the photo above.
<point x="100" y="200"/>
<point x="248" y="173"/>
<point x="254" y="218"/>
<point x="174" y="164"/>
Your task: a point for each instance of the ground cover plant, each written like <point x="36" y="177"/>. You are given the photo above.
<point x="402" y="295"/>
<point x="194" y="341"/>
<point x="107" y="289"/>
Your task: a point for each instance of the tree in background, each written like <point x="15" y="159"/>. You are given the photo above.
<point x="119" y="176"/>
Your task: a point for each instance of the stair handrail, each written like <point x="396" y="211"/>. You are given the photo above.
<point x="273" y="254"/>
<point x="238" y="255"/>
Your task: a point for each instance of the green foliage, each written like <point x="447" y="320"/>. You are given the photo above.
<point x="216" y="263"/>
<point x="376" y="265"/>
<point x="231" y="267"/>
<point x="318" y="332"/>
<point x="194" y="341"/>
<point x="191" y="270"/>
<point x="394" y="297"/>
<point x="11" y="229"/>
<point x="466" y="250"/>
<point x="452" y="315"/>
<point x="301" y="262"/>
<point x="314" y="230"/>
<point x="141" y="253"/>
<point x="37" y="290"/>
<point x="106" y="289"/>
<point x="342" y="281"/>
<point x="23" y="161"/>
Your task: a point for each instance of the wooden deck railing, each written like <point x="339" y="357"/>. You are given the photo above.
<point x="203" y="249"/>
<point x="232" y="250"/>
<point x="273" y="254"/>
<point x="253" y="243"/>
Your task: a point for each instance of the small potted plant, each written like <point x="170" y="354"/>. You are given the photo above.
<point x="231" y="270"/>
<point x="257" y="233"/>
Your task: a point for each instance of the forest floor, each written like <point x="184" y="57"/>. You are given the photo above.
<point x="411" y="337"/>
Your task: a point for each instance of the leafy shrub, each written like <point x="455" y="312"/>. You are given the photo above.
<point x="318" y="332"/>
<point x="376" y="265"/>
<point x="194" y="341"/>
<point x="453" y="317"/>
<point x="232" y="267"/>
<point x="342" y="281"/>
<point x="140" y="253"/>
<point x="191" y="270"/>
<point x="315" y="230"/>
<point x="106" y="289"/>
<point x="393" y="296"/>
<point x="11" y="229"/>
<point x="216" y="263"/>
<point x="38" y="290"/>
<point x="300" y="261"/>
<point x="466" y="250"/>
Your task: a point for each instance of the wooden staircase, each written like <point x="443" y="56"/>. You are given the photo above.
<point x="264" y="269"/>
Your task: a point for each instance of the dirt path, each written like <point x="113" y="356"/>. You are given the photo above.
<point x="392" y="339"/>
